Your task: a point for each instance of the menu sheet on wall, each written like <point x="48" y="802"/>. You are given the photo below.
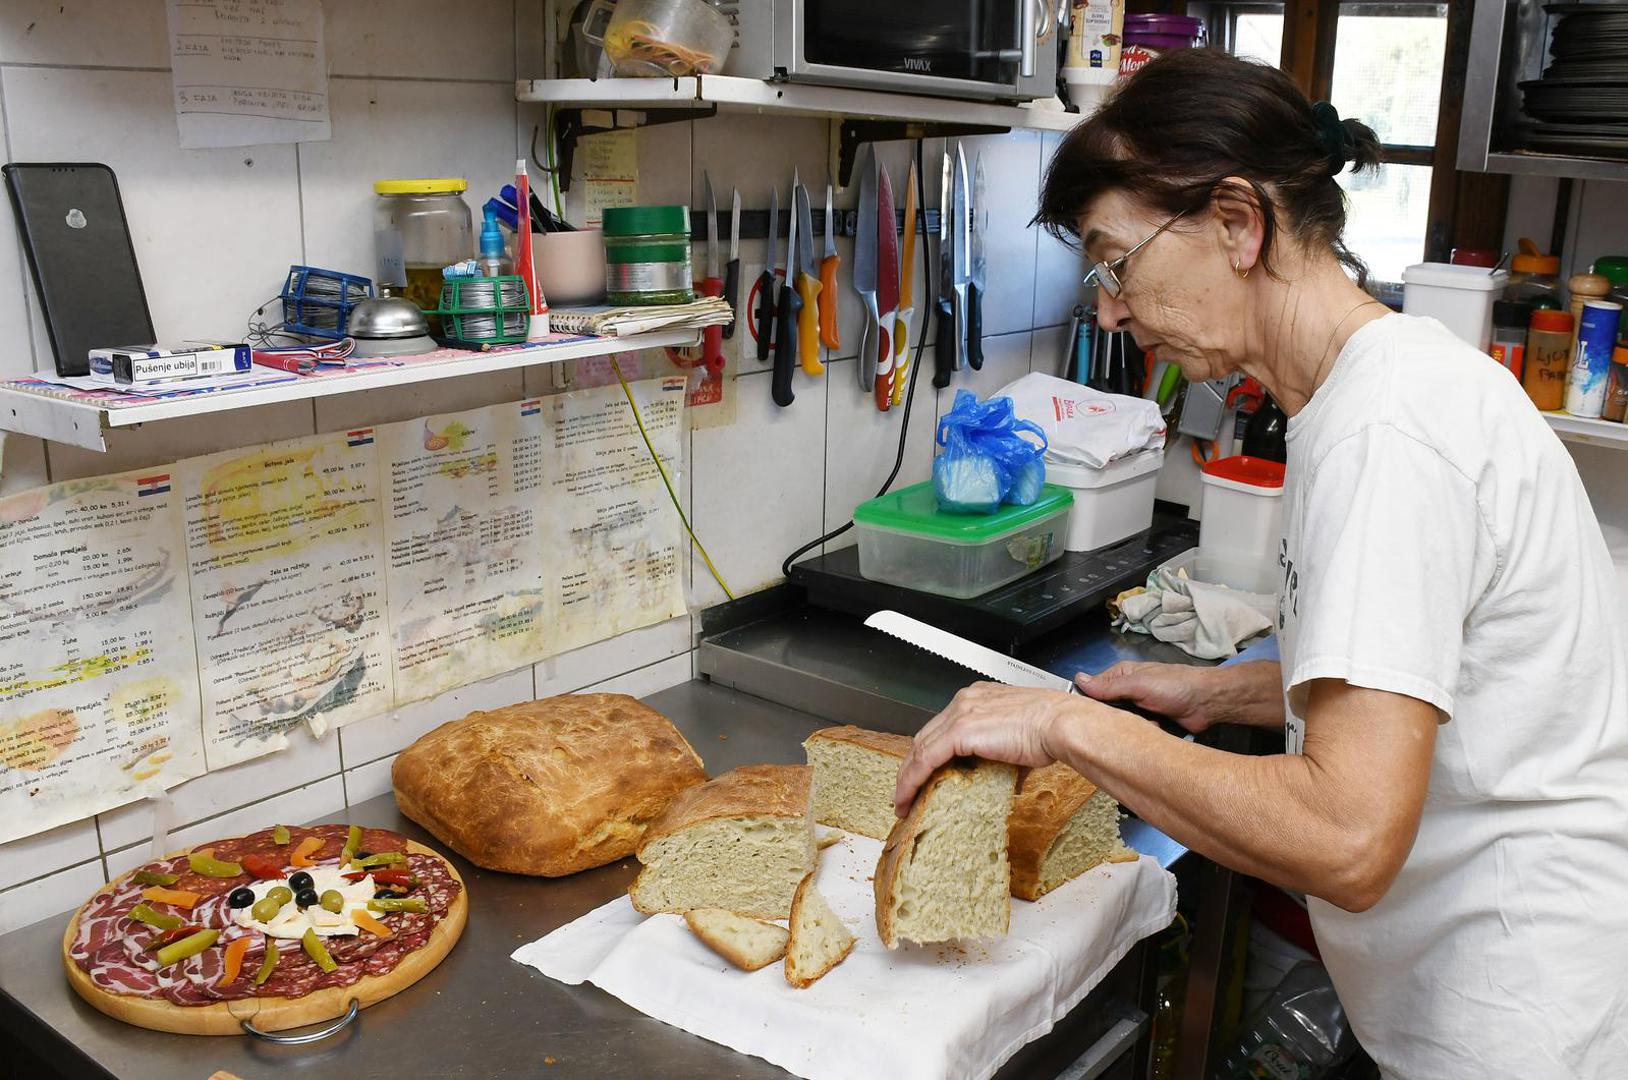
<point x="464" y="545"/>
<point x="287" y="581"/>
<point x="98" y="680"/>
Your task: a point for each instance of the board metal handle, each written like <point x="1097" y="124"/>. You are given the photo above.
<point x="311" y="1036"/>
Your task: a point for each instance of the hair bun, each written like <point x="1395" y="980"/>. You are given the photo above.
<point x="1335" y="136"/>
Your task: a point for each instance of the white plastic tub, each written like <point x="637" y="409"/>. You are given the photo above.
<point x="1241" y="521"/>
<point x="1110" y="503"/>
<point x="1245" y="575"/>
<point x="1460" y="297"/>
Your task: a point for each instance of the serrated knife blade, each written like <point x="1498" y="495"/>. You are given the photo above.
<point x="968" y="654"/>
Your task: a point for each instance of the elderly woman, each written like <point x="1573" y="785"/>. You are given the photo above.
<point x="1453" y="689"/>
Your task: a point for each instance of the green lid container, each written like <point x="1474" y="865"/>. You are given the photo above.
<point x="915" y="510"/>
<point x="1614" y="268"/>
<point x="646" y="221"/>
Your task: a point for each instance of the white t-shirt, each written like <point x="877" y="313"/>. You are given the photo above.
<point x="1439" y="544"/>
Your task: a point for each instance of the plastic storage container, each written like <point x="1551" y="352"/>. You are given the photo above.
<point x="663" y="38"/>
<point x="1110" y="503"/>
<point x="1459" y="296"/>
<point x="647" y="255"/>
<point x="1548" y="359"/>
<point x="420" y="226"/>
<point x="906" y="540"/>
<point x="1534" y="278"/>
<point x="1242" y="512"/>
<point x="1148" y="37"/>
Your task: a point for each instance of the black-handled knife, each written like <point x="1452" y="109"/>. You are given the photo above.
<point x="785" y="346"/>
<point x="975" y="327"/>
<point x="765" y="281"/>
<point x="732" y="269"/>
<point x="944" y="349"/>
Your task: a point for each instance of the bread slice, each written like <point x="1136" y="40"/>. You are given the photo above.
<point x="819" y="941"/>
<point x="854" y="774"/>
<point x="1061" y="826"/>
<point x="740" y="842"/>
<point x="943" y="873"/>
<point x="749" y="944"/>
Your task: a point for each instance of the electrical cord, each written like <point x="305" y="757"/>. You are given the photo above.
<point x="915" y="364"/>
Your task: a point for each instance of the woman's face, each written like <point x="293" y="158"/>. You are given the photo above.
<point x="1179" y="296"/>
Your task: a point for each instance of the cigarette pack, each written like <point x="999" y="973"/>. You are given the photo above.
<point x="133" y="365"/>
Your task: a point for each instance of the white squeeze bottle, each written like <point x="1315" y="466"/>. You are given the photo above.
<point x="1299" y="1034"/>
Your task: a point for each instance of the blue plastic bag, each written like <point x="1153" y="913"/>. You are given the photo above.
<point x="985" y="461"/>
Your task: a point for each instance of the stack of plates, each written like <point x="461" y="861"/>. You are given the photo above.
<point x="1581" y="103"/>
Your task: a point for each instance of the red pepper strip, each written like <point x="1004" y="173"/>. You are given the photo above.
<point x="386" y="877"/>
<point x="172" y="935"/>
<point x="263" y="867"/>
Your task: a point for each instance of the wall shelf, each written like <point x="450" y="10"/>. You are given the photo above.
<point x="1593" y="432"/>
<point x="86" y="423"/>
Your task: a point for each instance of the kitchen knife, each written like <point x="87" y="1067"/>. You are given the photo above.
<point x="975" y="287"/>
<point x="785" y="342"/>
<point x="712" y="337"/>
<point x="907" y="292"/>
<point x="765" y="281"/>
<point x="887" y="288"/>
<point x="865" y="271"/>
<point x="961" y="258"/>
<point x="830" y="334"/>
<point x="968" y="654"/>
<point x="808" y="290"/>
<point x="944" y="346"/>
<point x="732" y="270"/>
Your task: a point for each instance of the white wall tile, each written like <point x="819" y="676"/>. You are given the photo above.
<point x="664" y="164"/>
<point x="759" y="485"/>
<point x="214" y="230"/>
<point x="368" y="781"/>
<point x="15" y="288"/>
<point x="1059" y="269"/>
<point x="472" y="40"/>
<point x="46" y="853"/>
<point x="385" y="129"/>
<point x="1012" y="185"/>
<point x="313" y="802"/>
<point x="366" y="740"/>
<point x="572" y="671"/>
<point x="861" y="444"/>
<point x="1006" y="357"/>
<point x="213" y="793"/>
<point x="23" y="464"/>
<point x="54" y="895"/>
<point x="647" y="680"/>
<point x="95" y="33"/>
<point x="1605" y="479"/>
<point x="1046" y="350"/>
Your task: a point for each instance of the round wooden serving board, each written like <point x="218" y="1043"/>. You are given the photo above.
<point x="272" y="1013"/>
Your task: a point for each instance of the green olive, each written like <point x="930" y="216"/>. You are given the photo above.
<point x="332" y="901"/>
<point x="280" y="893"/>
<point x="266" y="909"/>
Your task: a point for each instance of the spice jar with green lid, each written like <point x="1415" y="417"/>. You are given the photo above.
<point x="647" y="255"/>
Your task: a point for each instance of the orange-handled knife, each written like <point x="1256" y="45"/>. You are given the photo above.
<point x="907" y="292"/>
<point x="830" y="335"/>
<point x="808" y="290"/>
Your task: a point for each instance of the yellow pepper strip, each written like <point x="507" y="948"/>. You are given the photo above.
<point x="267" y="964"/>
<point x="279" y="834"/>
<point x="143" y="914"/>
<point x="371" y="925"/>
<point x="192" y="945"/>
<point x="353" y="840"/>
<point x="316" y="950"/>
<point x="178" y="897"/>
<point x="234" y="960"/>
<point x="301" y="856"/>
<point x="204" y="862"/>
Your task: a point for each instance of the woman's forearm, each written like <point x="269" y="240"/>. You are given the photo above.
<point x="1249" y="694"/>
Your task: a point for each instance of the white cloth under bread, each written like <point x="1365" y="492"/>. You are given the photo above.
<point x="913" y="1014"/>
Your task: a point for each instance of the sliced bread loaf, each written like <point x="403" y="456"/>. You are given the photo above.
<point x="1061" y="826"/>
<point x="854" y="774"/>
<point x="943" y="873"/>
<point x="747" y="943"/>
<point x="740" y="842"/>
<point x="819" y="941"/>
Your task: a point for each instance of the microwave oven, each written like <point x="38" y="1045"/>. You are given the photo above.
<point x="995" y="50"/>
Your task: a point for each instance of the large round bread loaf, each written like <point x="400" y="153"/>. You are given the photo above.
<point x="546" y="787"/>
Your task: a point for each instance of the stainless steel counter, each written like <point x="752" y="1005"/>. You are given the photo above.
<point x="479" y="1014"/>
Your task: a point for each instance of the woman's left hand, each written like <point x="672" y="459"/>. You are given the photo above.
<point x="987" y="720"/>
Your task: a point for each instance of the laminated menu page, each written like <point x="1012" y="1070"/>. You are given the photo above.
<point x="463" y="510"/>
<point x="616" y="546"/>
<point x="98" y="680"/>
<point x="285" y="553"/>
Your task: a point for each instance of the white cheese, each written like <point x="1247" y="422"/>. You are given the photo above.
<point x="292" y="923"/>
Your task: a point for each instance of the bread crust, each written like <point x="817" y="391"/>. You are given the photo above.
<point x="546" y="788"/>
<point x="721" y="946"/>
<point x="803" y="980"/>
<point x="270" y="1013"/>
<point x="883" y="742"/>
<point x="749" y="791"/>
<point x="1046" y="800"/>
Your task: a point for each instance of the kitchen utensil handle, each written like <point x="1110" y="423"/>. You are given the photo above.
<point x="1027" y="36"/>
<point x="830" y="335"/>
<point x="944" y="348"/>
<point x="712" y="337"/>
<point x="310" y="1037"/>
<point x="958" y="312"/>
<point x="785" y="347"/>
<point x="765" y="313"/>
<point x="975" y="328"/>
<point x="884" y="362"/>
<point x="808" y="330"/>
<point x="901" y="353"/>
<point x="867" y="344"/>
<point x="732" y="286"/>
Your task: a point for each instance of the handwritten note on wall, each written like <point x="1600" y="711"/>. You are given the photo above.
<point x="248" y="72"/>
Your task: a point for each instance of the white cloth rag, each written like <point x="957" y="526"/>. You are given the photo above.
<point x="1203" y="620"/>
<point x="916" y="1013"/>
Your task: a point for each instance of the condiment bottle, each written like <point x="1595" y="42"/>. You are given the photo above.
<point x="1510" y="320"/>
<point x="1614" y="268"/>
<point x="1534" y="277"/>
<point x="1548" y="359"/>
<point x="1582" y="288"/>
<point x="1616" y="390"/>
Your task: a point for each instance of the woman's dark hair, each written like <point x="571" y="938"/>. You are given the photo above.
<point x="1194" y="117"/>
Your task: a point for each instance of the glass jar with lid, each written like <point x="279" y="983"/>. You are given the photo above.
<point x="1534" y="278"/>
<point x="647" y="255"/>
<point x="420" y="226"/>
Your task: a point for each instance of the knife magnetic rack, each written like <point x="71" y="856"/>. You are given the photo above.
<point x="755" y="223"/>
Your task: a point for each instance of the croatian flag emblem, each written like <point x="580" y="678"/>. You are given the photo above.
<point x="532" y="407"/>
<point x="152" y="485"/>
<point x="363" y="437"/>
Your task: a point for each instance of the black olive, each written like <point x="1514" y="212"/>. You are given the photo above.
<point x="299" y="881"/>
<point x="240" y="898"/>
<point x="306" y="897"/>
<point x="387" y="893"/>
<point x="362" y="855"/>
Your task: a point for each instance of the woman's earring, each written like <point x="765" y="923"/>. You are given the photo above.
<point x="1240" y="270"/>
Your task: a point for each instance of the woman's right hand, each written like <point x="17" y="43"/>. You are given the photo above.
<point x="1178" y="691"/>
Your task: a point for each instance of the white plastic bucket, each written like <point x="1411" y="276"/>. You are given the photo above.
<point x="1110" y="503"/>
<point x="1460" y="297"/>
<point x="1242" y="515"/>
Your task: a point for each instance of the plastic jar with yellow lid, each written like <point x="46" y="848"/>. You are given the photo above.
<point x="419" y="226"/>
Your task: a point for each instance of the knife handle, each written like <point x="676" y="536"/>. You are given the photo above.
<point x="808" y="332"/>
<point x="765" y="313"/>
<point x="785" y="346"/>
<point x="944" y="348"/>
<point x="884" y="362"/>
<point x="830" y="336"/>
<point x="712" y="337"/>
<point x="975" y="328"/>
<point x="866" y="367"/>
<point x="958" y="315"/>
<point x="732" y="285"/>
<point x="901" y="354"/>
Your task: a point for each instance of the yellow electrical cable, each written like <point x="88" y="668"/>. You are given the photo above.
<point x="671" y="494"/>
